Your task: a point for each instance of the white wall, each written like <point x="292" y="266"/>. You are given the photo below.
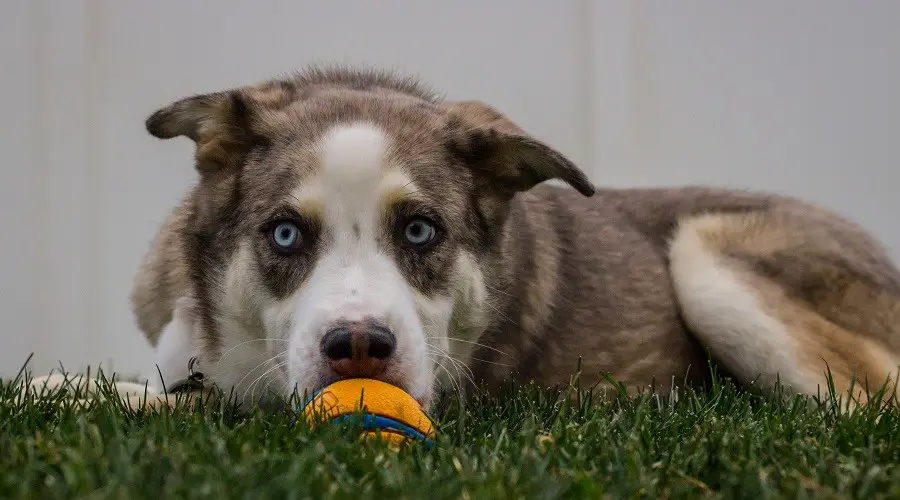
<point x="797" y="97"/>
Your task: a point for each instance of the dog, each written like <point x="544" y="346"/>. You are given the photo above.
<point x="351" y="223"/>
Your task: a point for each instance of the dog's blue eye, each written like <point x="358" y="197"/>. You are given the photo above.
<point x="419" y="232"/>
<point x="285" y="236"/>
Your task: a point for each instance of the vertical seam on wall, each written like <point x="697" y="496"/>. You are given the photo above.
<point x="94" y="329"/>
<point x="40" y="215"/>
<point x="587" y="88"/>
<point x="642" y="99"/>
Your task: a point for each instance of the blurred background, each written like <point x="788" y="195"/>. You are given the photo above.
<point x="796" y="97"/>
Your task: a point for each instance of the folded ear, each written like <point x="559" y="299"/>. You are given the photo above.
<point x="219" y="124"/>
<point x="480" y="114"/>
<point x="224" y="125"/>
<point x="191" y="117"/>
<point x="503" y="155"/>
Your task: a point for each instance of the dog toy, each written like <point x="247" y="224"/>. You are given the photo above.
<point x="386" y="411"/>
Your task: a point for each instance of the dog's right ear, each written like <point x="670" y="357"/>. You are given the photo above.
<point x="503" y="156"/>
<point x="219" y="123"/>
<point x="486" y="116"/>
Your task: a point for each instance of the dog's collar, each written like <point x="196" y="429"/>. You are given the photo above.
<point x="193" y="382"/>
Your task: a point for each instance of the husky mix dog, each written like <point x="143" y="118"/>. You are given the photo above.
<point x="350" y="223"/>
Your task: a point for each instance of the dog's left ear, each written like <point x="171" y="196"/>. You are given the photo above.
<point x="500" y="152"/>
<point x="224" y="125"/>
<point x="219" y="123"/>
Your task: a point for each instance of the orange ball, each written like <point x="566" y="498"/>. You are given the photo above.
<point x="386" y="410"/>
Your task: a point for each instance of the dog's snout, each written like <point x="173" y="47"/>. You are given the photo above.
<point x="358" y="349"/>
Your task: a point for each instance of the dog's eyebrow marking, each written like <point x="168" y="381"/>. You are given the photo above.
<point x="307" y="199"/>
<point x="396" y="186"/>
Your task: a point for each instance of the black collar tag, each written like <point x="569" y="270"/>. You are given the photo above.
<point x="194" y="381"/>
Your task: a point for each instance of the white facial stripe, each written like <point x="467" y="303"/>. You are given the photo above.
<point x="353" y="159"/>
<point x="353" y="153"/>
<point x="353" y="278"/>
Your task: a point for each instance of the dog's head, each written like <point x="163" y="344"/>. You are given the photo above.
<point x="341" y="224"/>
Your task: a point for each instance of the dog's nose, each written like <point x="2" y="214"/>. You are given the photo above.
<point x="358" y="349"/>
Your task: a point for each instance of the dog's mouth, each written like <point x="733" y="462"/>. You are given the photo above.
<point x="422" y="399"/>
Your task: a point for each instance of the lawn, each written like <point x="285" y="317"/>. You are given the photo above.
<point x="525" y="443"/>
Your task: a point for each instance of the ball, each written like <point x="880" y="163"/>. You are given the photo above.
<point x="386" y="411"/>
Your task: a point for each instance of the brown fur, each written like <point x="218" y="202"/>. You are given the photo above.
<point x="163" y="276"/>
<point x="830" y="284"/>
<point x="571" y="274"/>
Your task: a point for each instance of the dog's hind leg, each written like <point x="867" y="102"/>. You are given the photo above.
<point x="792" y="295"/>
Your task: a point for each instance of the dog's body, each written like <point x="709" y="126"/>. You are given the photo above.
<point x="520" y="279"/>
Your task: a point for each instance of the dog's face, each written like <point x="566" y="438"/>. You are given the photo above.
<point x="343" y="226"/>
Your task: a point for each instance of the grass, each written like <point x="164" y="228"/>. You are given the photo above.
<point x="524" y="443"/>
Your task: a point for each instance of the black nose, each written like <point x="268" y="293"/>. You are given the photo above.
<point x="359" y="349"/>
<point x="381" y="342"/>
<point x="337" y="344"/>
<point x="358" y="341"/>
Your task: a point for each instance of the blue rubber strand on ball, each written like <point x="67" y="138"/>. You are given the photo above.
<point x="376" y="422"/>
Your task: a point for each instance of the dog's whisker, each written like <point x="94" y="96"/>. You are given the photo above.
<point x="226" y="353"/>
<point x="475" y="358"/>
<point x="453" y="382"/>
<point x="435" y="355"/>
<point x="461" y="367"/>
<point x="273" y="358"/>
<point x="495" y="363"/>
<point x="284" y="388"/>
<point x="488" y="303"/>
<point x="433" y="358"/>
<point x="277" y="368"/>
<point x="495" y="289"/>
<point x="464" y="369"/>
<point x="456" y="362"/>
<point x="260" y="379"/>
<point x="479" y="344"/>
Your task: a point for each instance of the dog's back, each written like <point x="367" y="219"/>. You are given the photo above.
<point x="640" y="283"/>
